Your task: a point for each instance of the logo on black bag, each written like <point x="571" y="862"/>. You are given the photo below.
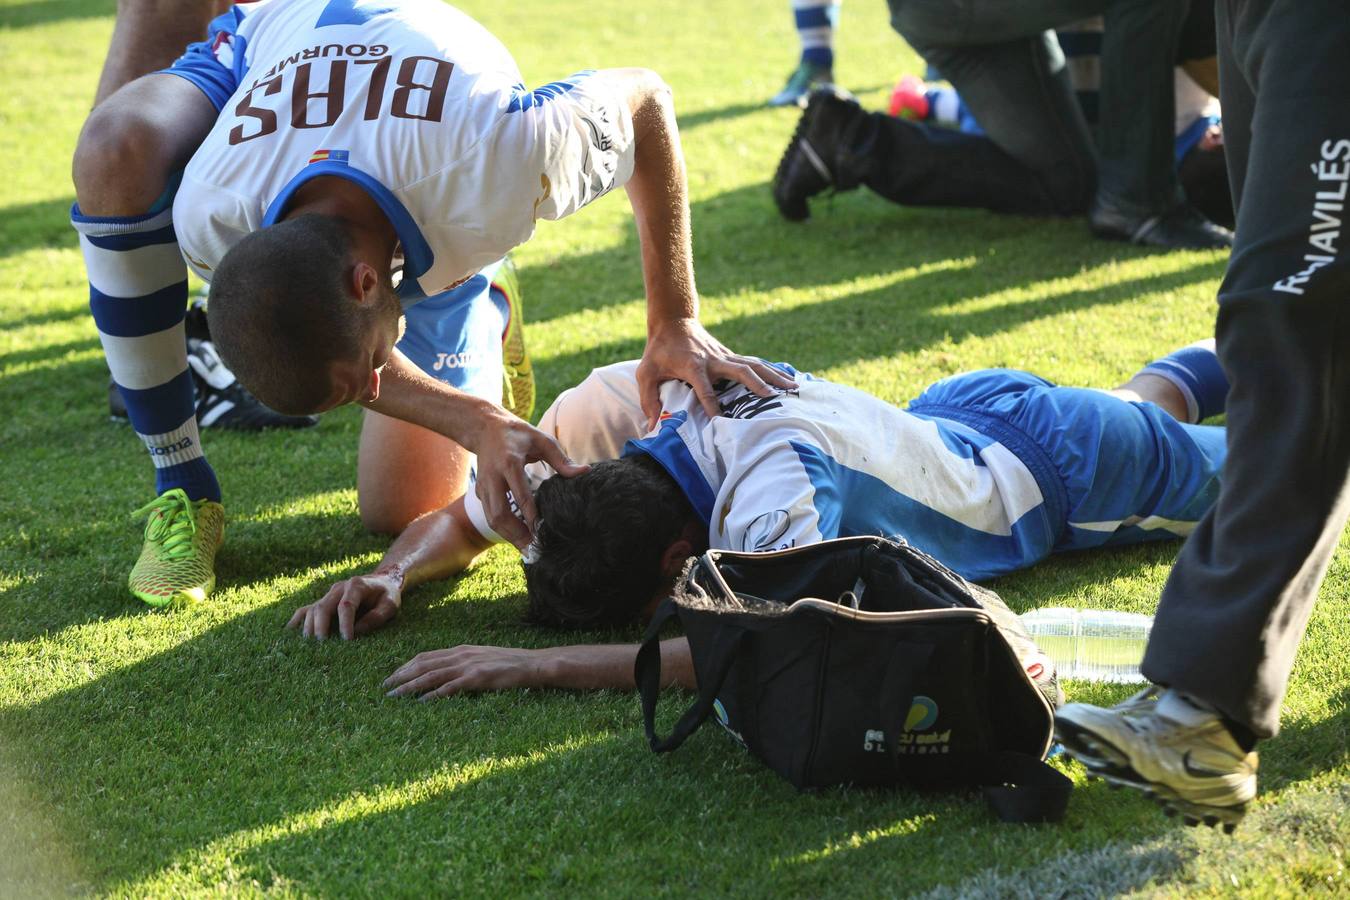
<point x="720" y="712"/>
<point x="923" y="715"/>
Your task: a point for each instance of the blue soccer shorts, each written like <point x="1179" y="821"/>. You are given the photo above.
<point x="1127" y="472"/>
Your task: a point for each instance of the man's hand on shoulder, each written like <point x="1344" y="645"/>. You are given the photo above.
<point x="466" y="669"/>
<point x="359" y="605"/>
<point x="683" y="349"/>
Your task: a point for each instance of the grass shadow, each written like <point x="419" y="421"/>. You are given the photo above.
<point x="41" y="223"/>
<point x="895" y="319"/>
<point x="741" y="243"/>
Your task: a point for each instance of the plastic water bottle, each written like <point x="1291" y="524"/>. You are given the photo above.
<point x="1091" y="644"/>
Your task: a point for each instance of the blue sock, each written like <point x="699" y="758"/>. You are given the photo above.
<point x="138" y="296"/>
<point x="815" y="26"/>
<point x="1196" y="372"/>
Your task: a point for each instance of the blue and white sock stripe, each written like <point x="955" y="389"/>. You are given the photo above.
<point x="138" y="297"/>
<point x="815" y="23"/>
<point x="1196" y="372"/>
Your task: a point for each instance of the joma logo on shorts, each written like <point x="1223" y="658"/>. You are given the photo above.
<point x="465" y="360"/>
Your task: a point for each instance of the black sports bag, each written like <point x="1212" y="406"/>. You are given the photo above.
<point x="864" y="661"/>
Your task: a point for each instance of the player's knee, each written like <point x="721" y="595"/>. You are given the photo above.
<point x="119" y="167"/>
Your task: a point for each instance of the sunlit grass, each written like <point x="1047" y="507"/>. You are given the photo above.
<point x="205" y="750"/>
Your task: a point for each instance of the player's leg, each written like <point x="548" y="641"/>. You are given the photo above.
<point x="1237" y="603"/>
<point x="1284" y="330"/>
<point x="1036" y="156"/>
<point x="815" y="21"/>
<point x="1110" y="471"/>
<point x="404" y="470"/>
<point x="148" y="35"/>
<point x="1189" y="383"/>
<point x="124" y="170"/>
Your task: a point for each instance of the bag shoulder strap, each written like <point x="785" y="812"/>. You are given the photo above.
<point x="1025" y="789"/>
<point x="647" y="675"/>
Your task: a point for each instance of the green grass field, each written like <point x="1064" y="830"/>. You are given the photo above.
<point x="205" y="750"/>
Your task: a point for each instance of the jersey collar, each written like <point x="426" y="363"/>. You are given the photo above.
<point x="667" y="447"/>
<point x="417" y="255"/>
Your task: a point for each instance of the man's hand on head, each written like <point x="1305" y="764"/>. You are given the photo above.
<point x="357" y="605"/>
<point x="505" y="445"/>
<point x="466" y="669"/>
<point x="683" y="349"/>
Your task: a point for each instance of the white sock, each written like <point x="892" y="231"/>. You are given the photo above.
<point x="1184" y="708"/>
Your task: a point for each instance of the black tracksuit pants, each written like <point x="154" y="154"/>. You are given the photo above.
<point x="1037" y="155"/>
<point x="1237" y="603"/>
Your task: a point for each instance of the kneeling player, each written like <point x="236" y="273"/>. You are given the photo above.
<point x="989" y="471"/>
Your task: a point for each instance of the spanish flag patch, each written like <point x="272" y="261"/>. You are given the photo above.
<point x="329" y="156"/>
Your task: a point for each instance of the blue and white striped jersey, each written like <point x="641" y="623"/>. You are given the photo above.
<point x="820" y="462"/>
<point x="410" y="99"/>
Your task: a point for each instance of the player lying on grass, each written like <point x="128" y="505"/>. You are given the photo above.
<point x="347" y="162"/>
<point x="989" y="471"/>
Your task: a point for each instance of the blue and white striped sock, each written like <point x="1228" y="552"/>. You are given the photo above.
<point x="138" y="295"/>
<point x="815" y="26"/>
<point x="1196" y="372"/>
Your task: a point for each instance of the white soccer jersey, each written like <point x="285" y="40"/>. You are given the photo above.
<point x="821" y="462"/>
<point x="410" y="99"/>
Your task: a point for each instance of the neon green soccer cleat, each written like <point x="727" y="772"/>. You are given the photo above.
<point x="517" y="372"/>
<point x="178" y="560"/>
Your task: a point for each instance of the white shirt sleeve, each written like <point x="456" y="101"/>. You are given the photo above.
<point x="556" y="149"/>
<point x="209" y="221"/>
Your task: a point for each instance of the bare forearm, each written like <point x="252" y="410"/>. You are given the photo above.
<point x="437" y="545"/>
<point x="598" y="666"/>
<point x="409" y="394"/>
<point x="659" y="193"/>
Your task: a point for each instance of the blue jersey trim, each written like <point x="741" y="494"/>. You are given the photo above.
<point x="668" y="448"/>
<point x="352" y="12"/>
<point x="417" y="253"/>
<point x="160" y="409"/>
<point x="522" y="98"/>
<point x="139" y="316"/>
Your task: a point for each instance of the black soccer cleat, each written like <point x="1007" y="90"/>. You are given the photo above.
<point x="222" y="402"/>
<point x="809" y="164"/>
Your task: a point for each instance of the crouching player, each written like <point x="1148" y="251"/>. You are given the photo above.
<point x="989" y="471"/>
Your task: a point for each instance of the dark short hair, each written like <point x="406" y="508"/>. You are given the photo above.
<point x="280" y="311"/>
<point x="599" y="542"/>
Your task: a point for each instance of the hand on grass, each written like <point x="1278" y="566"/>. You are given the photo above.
<point x="360" y="605"/>
<point x="505" y="445"/>
<point x="683" y="349"/>
<point x="466" y="668"/>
